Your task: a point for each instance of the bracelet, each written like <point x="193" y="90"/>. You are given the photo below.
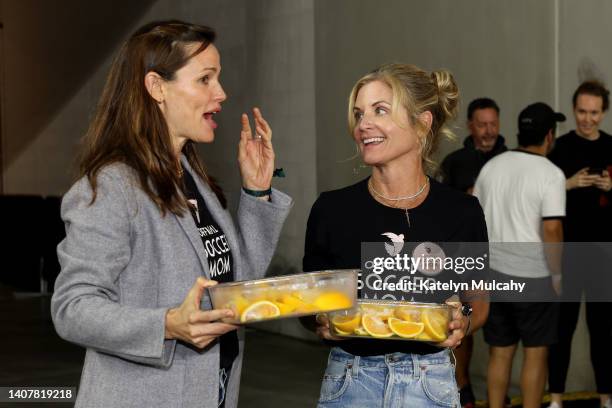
<point x="257" y="193"/>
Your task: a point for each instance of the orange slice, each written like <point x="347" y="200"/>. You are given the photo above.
<point x="360" y="331"/>
<point x="332" y="301"/>
<point x="375" y="326"/>
<point x="409" y="314"/>
<point x="264" y="309"/>
<point x="348" y="323"/>
<point x="406" y="330"/>
<point x="435" y="324"/>
<point x="424" y="336"/>
<point x="384" y="312"/>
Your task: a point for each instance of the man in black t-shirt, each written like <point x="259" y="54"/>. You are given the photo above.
<point x="460" y="170"/>
<point x="461" y="167"/>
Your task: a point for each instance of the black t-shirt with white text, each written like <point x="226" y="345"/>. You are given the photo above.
<point x="341" y="220"/>
<point x="219" y="258"/>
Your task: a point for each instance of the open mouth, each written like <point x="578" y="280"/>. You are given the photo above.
<point x="208" y="116"/>
<point x="372" y="141"/>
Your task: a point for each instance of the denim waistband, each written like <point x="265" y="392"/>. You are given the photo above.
<point x="441" y="357"/>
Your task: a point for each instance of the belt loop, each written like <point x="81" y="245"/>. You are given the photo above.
<point x="355" y="368"/>
<point x="416" y="369"/>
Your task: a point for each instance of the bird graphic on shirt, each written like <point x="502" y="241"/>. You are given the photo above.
<point x="397" y="243"/>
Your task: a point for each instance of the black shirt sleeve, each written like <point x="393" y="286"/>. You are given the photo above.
<point x="316" y="253"/>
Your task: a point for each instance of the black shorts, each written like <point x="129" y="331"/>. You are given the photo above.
<point x="534" y="323"/>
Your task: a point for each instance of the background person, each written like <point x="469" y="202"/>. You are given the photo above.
<point x="585" y="156"/>
<point x="397" y="114"/>
<point x="523" y="197"/>
<point x="147" y="228"/>
<point x="459" y="170"/>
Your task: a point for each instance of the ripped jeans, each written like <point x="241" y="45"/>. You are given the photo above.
<point x="389" y="381"/>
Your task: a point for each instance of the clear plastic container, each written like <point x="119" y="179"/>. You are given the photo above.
<point x="287" y="296"/>
<point x="392" y="320"/>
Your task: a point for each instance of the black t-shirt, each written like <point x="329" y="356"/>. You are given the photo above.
<point x="460" y="168"/>
<point x="589" y="209"/>
<point x="341" y="220"/>
<point x="219" y="258"/>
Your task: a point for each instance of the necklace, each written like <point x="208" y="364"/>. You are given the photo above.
<point x="396" y="200"/>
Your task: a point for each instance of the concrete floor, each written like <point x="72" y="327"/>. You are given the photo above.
<point x="278" y="371"/>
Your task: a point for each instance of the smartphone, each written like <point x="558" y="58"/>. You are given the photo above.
<point x="596" y="170"/>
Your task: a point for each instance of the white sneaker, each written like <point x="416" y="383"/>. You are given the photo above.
<point x="556" y="405"/>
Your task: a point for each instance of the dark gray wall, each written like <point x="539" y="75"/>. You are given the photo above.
<point x="51" y="49"/>
<point x="494" y="48"/>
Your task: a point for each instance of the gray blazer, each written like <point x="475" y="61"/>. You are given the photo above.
<point x="124" y="265"/>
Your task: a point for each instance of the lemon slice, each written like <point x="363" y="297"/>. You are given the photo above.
<point x="375" y="326"/>
<point x="284" y="308"/>
<point x="238" y="304"/>
<point x="264" y="309"/>
<point x="292" y="300"/>
<point x="360" y="331"/>
<point x="306" y="308"/>
<point x="406" y="330"/>
<point x="332" y="301"/>
<point x="346" y="323"/>
<point x="341" y="332"/>
<point x="435" y="324"/>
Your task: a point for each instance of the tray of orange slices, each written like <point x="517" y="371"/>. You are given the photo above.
<point x="393" y="320"/>
<point x="286" y="296"/>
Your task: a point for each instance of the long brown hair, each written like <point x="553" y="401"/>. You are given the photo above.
<point x="128" y="126"/>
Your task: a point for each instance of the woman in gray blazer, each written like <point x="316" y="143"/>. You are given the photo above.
<point x="148" y="230"/>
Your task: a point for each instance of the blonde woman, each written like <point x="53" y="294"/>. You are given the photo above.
<point x="397" y="115"/>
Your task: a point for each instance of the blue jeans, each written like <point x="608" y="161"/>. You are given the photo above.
<point x="389" y="381"/>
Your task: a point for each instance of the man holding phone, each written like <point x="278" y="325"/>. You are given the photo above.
<point x="585" y="156"/>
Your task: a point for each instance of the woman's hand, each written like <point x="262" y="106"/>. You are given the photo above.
<point x="604" y="182"/>
<point x="457" y="326"/>
<point x="323" y="330"/>
<point x="194" y="326"/>
<point x="256" y="154"/>
<point x="581" y="179"/>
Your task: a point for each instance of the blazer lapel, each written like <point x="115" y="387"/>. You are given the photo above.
<point x="220" y="215"/>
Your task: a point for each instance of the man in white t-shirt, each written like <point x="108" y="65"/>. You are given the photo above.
<point x="522" y="194"/>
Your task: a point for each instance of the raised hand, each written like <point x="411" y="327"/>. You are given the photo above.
<point x="256" y="154"/>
